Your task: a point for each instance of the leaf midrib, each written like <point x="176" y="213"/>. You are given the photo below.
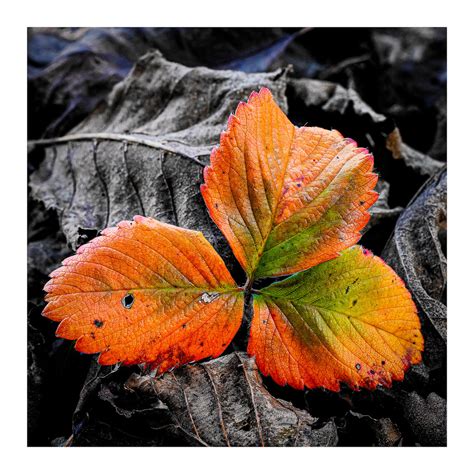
<point x="274" y="211"/>
<point x="221" y="291"/>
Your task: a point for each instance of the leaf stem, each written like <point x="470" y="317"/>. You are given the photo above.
<point x="248" y="284"/>
<point x="248" y="292"/>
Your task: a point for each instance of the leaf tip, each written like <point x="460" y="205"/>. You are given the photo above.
<point x="265" y="91"/>
<point x="252" y="95"/>
<point x="231" y="121"/>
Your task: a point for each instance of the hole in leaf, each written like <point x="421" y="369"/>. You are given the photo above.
<point x="127" y="301"/>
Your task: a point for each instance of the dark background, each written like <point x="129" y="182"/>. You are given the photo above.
<point x="398" y="73"/>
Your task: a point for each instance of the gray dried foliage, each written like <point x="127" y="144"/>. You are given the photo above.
<point x="427" y="418"/>
<point x="224" y="403"/>
<point x="417" y="253"/>
<point x="143" y="152"/>
<point x="331" y="98"/>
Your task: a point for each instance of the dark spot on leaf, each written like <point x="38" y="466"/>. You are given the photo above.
<point x="299" y="185"/>
<point x="357" y="366"/>
<point x="383" y="362"/>
<point x="354" y="302"/>
<point x="264" y="321"/>
<point x="183" y="326"/>
<point x="372" y="372"/>
<point x="361" y="203"/>
<point x="355" y="281"/>
<point x="127" y="301"/>
<point x="347" y="290"/>
<point x="98" y="323"/>
<point x="216" y="205"/>
<point x="201" y="343"/>
<point x="93" y="335"/>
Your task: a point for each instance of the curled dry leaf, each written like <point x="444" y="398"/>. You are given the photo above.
<point x="146" y="292"/>
<point x="224" y="403"/>
<point x="350" y="319"/>
<point x="419" y="162"/>
<point x="286" y="198"/>
<point x="72" y="78"/>
<point x="415" y="251"/>
<point x="94" y="59"/>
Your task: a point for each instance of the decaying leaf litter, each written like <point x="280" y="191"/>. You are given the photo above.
<point x="385" y="162"/>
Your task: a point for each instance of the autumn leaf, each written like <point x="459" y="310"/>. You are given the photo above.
<point x="286" y="198"/>
<point x="348" y="320"/>
<point x="145" y="291"/>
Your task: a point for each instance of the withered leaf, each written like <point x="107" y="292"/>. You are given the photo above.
<point x="224" y="403"/>
<point x="332" y="105"/>
<point x="416" y="253"/>
<point x="141" y="153"/>
<point x="427" y="418"/>
<point x="71" y="70"/>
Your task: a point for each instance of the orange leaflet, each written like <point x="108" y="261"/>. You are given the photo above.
<point x="145" y="291"/>
<point x="348" y="320"/>
<point x="286" y="198"/>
